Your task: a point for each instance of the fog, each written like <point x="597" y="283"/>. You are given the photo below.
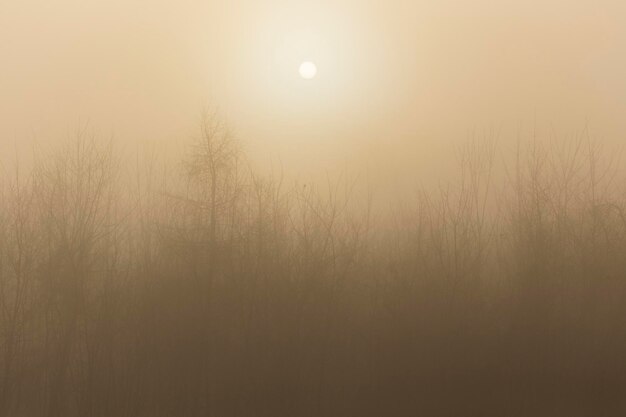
<point x="400" y="83"/>
<point x="435" y="224"/>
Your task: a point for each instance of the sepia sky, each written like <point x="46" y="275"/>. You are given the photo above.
<point x="398" y="81"/>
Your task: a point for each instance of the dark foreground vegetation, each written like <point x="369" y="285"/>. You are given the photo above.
<point x="209" y="290"/>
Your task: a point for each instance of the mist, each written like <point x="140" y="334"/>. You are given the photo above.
<point x="399" y="82"/>
<point x="433" y="222"/>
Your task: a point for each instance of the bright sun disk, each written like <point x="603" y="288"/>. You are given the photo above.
<point x="308" y="70"/>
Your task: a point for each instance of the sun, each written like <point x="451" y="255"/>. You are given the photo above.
<point x="308" y="70"/>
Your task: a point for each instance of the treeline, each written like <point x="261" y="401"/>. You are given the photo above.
<point x="211" y="290"/>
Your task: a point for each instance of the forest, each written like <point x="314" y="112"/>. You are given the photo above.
<point x="208" y="288"/>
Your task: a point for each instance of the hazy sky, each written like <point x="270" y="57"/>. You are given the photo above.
<point x="397" y="82"/>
